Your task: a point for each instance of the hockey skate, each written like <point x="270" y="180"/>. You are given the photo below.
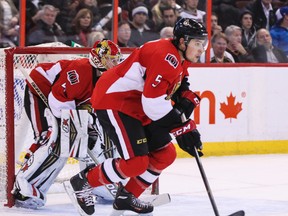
<point x="127" y="201"/>
<point x="80" y="192"/>
<point x="22" y="201"/>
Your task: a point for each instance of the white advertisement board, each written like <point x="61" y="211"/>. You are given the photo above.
<point x="241" y="103"/>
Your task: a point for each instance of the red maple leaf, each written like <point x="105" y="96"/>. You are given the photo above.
<point x="230" y="110"/>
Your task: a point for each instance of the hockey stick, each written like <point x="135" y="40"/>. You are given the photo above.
<point x="207" y="186"/>
<point x="206" y="183"/>
<point x="208" y="189"/>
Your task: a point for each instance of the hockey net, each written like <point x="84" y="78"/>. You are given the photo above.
<point x="16" y="133"/>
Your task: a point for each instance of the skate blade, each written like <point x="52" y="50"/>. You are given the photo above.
<point x="69" y="190"/>
<point x="128" y="213"/>
<point x="31" y="204"/>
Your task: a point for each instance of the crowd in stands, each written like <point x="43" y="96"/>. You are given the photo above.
<point x="239" y="27"/>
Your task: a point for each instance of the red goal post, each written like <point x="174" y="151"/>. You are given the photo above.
<point x="12" y="83"/>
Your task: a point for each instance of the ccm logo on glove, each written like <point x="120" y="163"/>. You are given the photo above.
<point x="188" y="126"/>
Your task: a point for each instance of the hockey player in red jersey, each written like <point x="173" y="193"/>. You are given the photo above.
<point x="132" y="102"/>
<point x="68" y="84"/>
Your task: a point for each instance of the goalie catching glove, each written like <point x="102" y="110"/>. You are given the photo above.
<point x="187" y="137"/>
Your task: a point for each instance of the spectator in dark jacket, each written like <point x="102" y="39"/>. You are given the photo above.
<point x="141" y="30"/>
<point x="265" y="51"/>
<point x="46" y="29"/>
<point x="264" y="15"/>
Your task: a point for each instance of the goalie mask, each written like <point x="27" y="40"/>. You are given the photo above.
<point x="105" y="54"/>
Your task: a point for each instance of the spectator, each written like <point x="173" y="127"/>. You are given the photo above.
<point x="46" y="29"/>
<point x="124" y="34"/>
<point x="215" y="27"/>
<point x="92" y="6"/>
<point x="95" y="36"/>
<point x="81" y="27"/>
<point x="264" y="16"/>
<point x="31" y="14"/>
<point x="4" y="42"/>
<point x="279" y="32"/>
<point x="265" y="51"/>
<point x="248" y="30"/>
<point x="191" y="10"/>
<point x="218" y="53"/>
<point x="169" y="16"/>
<point x="67" y="14"/>
<point x="228" y="13"/>
<point x="158" y="7"/>
<point x="166" y="32"/>
<point x="234" y="46"/>
<point x="9" y="19"/>
<point x="141" y="32"/>
<point x="128" y="5"/>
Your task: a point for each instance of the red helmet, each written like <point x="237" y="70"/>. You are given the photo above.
<point x="105" y="54"/>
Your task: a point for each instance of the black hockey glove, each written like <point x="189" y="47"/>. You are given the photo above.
<point x="187" y="101"/>
<point x="187" y="137"/>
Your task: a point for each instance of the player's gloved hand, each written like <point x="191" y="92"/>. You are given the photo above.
<point x="187" y="102"/>
<point x="188" y="137"/>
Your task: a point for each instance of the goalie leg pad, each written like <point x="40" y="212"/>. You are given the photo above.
<point x="38" y="173"/>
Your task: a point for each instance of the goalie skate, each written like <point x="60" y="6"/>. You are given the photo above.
<point x="22" y="201"/>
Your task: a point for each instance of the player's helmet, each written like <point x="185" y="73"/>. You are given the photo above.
<point x="103" y="53"/>
<point x="189" y="29"/>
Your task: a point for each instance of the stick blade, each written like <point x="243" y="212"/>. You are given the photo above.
<point x="238" y="213"/>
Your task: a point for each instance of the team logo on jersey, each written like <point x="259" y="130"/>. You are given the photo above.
<point x="172" y="60"/>
<point x="73" y="77"/>
<point x="175" y="87"/>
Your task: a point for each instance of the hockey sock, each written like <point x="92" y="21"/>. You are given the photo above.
<point x="116" y="170"/>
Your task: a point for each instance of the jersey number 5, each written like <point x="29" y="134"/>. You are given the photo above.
<point x="157" y="81"/>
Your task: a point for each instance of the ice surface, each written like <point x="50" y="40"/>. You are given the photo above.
<point x="257" y="184"/>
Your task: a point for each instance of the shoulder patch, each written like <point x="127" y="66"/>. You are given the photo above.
<point x="172" y="60"/>
<point x="73" y="77"/>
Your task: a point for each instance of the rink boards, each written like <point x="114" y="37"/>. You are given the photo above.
<point x="244" y="109"/>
